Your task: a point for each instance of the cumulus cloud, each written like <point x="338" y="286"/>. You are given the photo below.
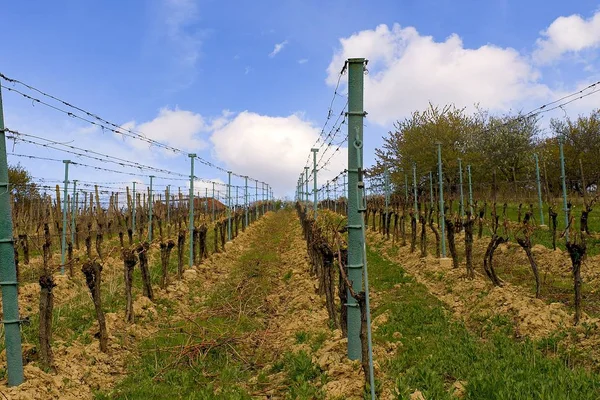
<point x="408" y="70"/>
<point x="175" y="127"/>
<point x="278" y="48"/>
<point x="565" y="35"/>
<point x="271" y="149"/>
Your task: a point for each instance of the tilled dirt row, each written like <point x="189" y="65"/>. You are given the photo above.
<point x="476" y="300"/>
<point x="80" y="367"/>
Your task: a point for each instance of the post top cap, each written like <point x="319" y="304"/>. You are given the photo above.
<point x="192" y="155"/>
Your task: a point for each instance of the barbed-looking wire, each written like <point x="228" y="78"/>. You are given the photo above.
<point x="96" y="120"/>
<point x="329" y="113"/>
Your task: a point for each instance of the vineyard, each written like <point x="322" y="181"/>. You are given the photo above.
<point x="462" y="264"/>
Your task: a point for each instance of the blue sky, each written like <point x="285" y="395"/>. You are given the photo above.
<point x="203" y="76"/>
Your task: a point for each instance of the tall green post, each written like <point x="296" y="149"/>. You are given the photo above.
<point x="263" y="197"/>
<point x="168" y="203"/>
<point x="442" y="211"/>
<point x="206" y="202"/>
<point x="213" y="201"/>
<point x="327" y="192"/>
<point x="73" y="211"/>
<point x="431" y="201"/>
<point x="386" y="185"/>
<point x="462" y="197"/>
<point x="406" y="188"/>
<point x="315" y="201"/>
<point x="539" y="188"/>
<point x="563" y="177"/>
<point x="335" y="198"/>
<point x="355" y="235"/>
<point x="63" y="252"/>
<point x="191" y="199"/>
<point x="470" y="189"/>
<point x="256" y="199"/>
<point x="228" y="205"/>
<point x="8" y="271"/>
<point x="132" y="209"/>
<point x="246" y="199"/>
<point x="306" y="183"/>
<point x="416" y="205"/>
<point x="150" y="201"/>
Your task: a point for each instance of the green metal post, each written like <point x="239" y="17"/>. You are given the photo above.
<point x="442" y="211"/>
<point x="327" y="201"/>
<point x="470" y="189"/>
<point x="315" y="201"/>
<point x="256" y="198"/>
<point x="150" y="201"/>
<point x="132" y="209"/>
<point x="73" y="212"/>
<point x="416" y="205"/>
<point x="8" y="271"/>
<point x="168" y="202"/>
<point x="357" y="262"/>
<point x="386" y="182"/>
<point x="63" y="252"/>
<point x="191" y="199"/>
<point x="306" y="183"/>
<point x="355" y="244"/>
<point x="462" y="197"/>
<point x="246" y="198"/>
<point x="335" y="199"/>
<point x="406" y="188"/>
<point x="539" y="188"/>
<point x="431" y="203"/>
<point x="205" y="202"/>
<point x="564" y="185"/>
<point x="213" y="201"/>
<point x="229" y="205"/>
<point x="263" y="197"/>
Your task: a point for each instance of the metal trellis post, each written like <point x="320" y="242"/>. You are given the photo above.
<point x="64" y="215"/>
<point x="8" y="271"/>
<point x="442" y="211"/>
<point x="73" y="212"/>
<point x="416" y="205"/>
<point x="150" y="201"/>
<point x="539" y="188"/>
<point x="228" y="205"/>
<point x="315" y="201"/>
<point x="460" y="181"/>
<point x="564" y="185"/>
<point x="191" y="200"/>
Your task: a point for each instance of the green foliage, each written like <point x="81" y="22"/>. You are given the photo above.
<point x="21" y="185"/>
<point x="489" y="143"/>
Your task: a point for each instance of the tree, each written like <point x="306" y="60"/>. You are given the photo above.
<point x="581" y="142"/>
<point x="21" y="184"/>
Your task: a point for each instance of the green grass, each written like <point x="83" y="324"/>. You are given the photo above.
<point x="225" y="364"/>
<point x="434" y="351"/>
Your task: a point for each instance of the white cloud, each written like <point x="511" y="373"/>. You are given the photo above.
<point x="303" y="61"/>
<point x="278" y="48"/>
<point x="174" y="127"/>
<point x="570" y="34"/>
<point x="179" y="17"/>
<point x="407" y="70"/>
<point x="271" y="149"/>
